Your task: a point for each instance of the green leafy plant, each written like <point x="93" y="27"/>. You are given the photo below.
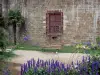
<point x="98" y="42"/>
<point x="3" y="39"/>
<point x="15" y="19"/>
<point x="98" y="39"/>
<point x="2" y="23"/>
<point x="3" y="34"/>
<point x="82" y="46"/>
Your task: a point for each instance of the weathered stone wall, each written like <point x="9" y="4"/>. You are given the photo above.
<point x="79" y="19"/>
<point x="98" y="27"/>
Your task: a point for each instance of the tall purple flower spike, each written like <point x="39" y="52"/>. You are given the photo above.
<point x="52" y="66"/>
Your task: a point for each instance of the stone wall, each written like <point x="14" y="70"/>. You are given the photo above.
<point x="98" y="26"/>
<point x="79" y="19"/>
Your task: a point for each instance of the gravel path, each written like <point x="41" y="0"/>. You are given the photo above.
<point x="24" y="55"/>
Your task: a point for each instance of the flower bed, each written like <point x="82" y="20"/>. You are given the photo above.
<point x="52" y="67"/>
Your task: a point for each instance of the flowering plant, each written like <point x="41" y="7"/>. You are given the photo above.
<point x="82" y="46"/>
<point x="51" y="67"/>
<point x="86" y="46"/>
<point x="88" y="66"/>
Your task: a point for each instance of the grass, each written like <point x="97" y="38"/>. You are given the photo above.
<point x="65" y="49"/>
<point x="6" y="55"/>
<point x="94" y="52"/>
<point x="27" y="47"/>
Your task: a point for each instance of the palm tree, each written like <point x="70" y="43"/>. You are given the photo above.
<point x="15" y="19"/>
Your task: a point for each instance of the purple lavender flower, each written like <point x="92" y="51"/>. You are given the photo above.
<point x="49" y="70"/>
<point x="77" y="63"/>
<point x="22" y="69"/>
<point x="98" y="43"/>
<point x="87" y="43"/>
<point x="76" y="66"/>
<point x="49" y="62"/>
<point x="42" y="63"/>
<point x="97" y="73"/>
<point x="72" y="63"/>
<point x="63" y="66"/>
<point x="68" y="66"/>
<point x="93" y="66"/>
<point x="6" y="72"/>
<point x="26" y="38"/>
<point x="35" y="69"/>
<point x="56" y="67"/>
<point x="29" y="65"/>
<point x="84" y="68"/>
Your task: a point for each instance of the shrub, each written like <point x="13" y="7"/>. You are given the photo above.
<point x="3" y="39"/>
<point x="82" y="46"/>
<point x="98" y="40"/>
<point x="87" y="46"/>
<point x="40" y="67"/>
<point x="3" y="34"/>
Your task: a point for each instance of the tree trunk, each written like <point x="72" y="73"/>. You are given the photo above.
<point x="14" y="30"/>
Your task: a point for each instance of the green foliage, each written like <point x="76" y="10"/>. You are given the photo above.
<point x="81" y="46"/>
<point x="27" y="47"/>
<point x="65" y="49"/>
<point x="98" y="42"/>
<point x="3" y="35"/>
<point x="40" y="71"/>
<point x="6" y="55"/>
<point x="3" y="39"/>
<point x="15" y="17"/>
<point x="98" y="39"/>
<point x="87" y="46"/>
<point x="2" y="24"/>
